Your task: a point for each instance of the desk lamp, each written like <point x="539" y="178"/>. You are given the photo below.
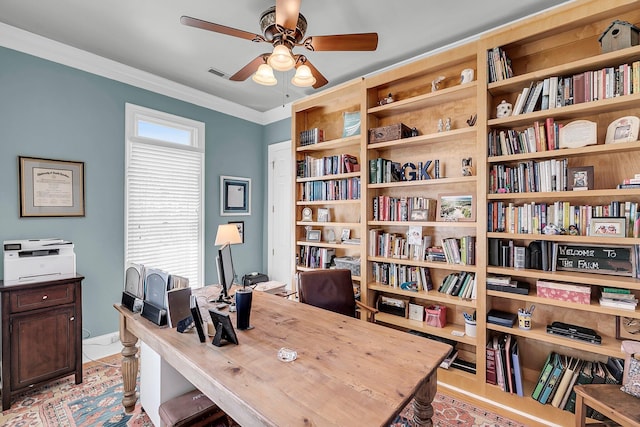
<point x="226" y="236"/>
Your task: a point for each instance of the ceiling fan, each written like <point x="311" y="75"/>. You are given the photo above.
<point x="284" y="27"/>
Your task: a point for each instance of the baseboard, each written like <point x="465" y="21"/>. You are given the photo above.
<point x="105" y="339"/>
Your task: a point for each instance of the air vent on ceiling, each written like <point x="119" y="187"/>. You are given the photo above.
<point x="217" y="72"/>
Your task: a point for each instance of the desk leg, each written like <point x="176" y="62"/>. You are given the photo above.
<point x="422" y="408"/>
<point x="129" y="366"/>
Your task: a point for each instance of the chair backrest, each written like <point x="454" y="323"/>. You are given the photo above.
<point x="328" y="289"/>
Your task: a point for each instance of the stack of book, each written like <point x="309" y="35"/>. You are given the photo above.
<point x="618" y="298"/>
<point x="507" y="284"/>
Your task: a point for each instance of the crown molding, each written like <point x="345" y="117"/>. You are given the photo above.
<point x="32" y="44"/>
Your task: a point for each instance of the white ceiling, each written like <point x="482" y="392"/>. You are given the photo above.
<point x="147" y="35"/>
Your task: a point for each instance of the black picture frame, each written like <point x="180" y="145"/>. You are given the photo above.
<point x="224" y="328"/>
<point x="240" y="225"/>
<point x="580" y="178"/>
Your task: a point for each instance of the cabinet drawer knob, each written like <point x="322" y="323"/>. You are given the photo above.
<point x="72" y="318"/>
<point x="44" y="297"/>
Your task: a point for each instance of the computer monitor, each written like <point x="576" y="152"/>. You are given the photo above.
<point x="226" y="273"/>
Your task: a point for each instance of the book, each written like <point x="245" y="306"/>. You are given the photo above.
<point x="521" y="288"/>
<point x="544" y="376"/>
<point x="559" y="365"/>
<point x="563" y="385"/>
<point x="351" y="124"/>
<point x="502" y="318"/>
<point x="491" y="364"/>
<point x="517" y="370"/>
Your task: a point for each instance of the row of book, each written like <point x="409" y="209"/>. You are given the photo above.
<point x="404" y="208"/>
<point x="540" y="136"/>
<point x="503" y="367"/>
<point x="460" y="284"/>
<point x="561" y="373"/>
<point x="333" y="189"/>
<point x="618" y="298"/>
<point x="328" y="165"/>
<point x="538" y="218"/>
<point x="587" y="86"/>
<point x="498" y="65"/>
<point x="395" y="275"/>
<point x="529" y="177"/>
<point x="397" y="245"/>
<point x="460" y="250"/>
<point x="311" y="136"/>
<point x="315" y="257"/>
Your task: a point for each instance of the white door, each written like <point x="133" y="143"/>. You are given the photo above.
<point x="280" y="207"/>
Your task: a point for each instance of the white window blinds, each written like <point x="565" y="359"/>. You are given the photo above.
<point x="164" y="190"/>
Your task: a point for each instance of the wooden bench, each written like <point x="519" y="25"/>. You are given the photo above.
<point x="610" y="401"/>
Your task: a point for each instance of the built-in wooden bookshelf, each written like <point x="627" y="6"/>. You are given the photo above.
<point x="562" y="41"/>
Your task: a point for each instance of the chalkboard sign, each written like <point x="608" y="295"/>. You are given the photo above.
<point x="615" y="260"/>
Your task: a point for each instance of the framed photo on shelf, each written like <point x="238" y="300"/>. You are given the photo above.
<point x="624" y="129"/>
<point x="580" y="178"/>
<point x="324" y="215"/>
<point x="608" y="226"/>
<point x="346" y="234"/>
<point x="235" y="196"/>
<point x="240" y="225"/>
<point x="313" y="235"/>
<point x="456" y="207"/>
<point x="51" y="187"/>
<point x="627" y="328"/>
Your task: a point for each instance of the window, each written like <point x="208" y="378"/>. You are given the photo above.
<point x="164" y="176"/>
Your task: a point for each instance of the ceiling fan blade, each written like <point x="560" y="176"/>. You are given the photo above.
<point x="320" y="79"/>
<point x="353" y="42"/>
<point x="222" y="29"/>
<point x="287" y="12"/>
<point x="249" y="69"/>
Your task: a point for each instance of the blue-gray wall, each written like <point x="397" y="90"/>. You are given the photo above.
<point x="49" y="110"/>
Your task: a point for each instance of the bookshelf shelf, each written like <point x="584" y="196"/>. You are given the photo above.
<point x="610" y="193"/>
<point x="341" y="143"/>
<point x="589" y="150"/>
<point x="419" y="183"/>
<point x="329" y="177"/>
<point x="328" y="202"/>
<point x="429" y="138"/>
<point x="432" y="295"/>
<point x="443" y="224"/>
<point x="567" y="238"/>
<point x="430" y="264"/>
<point x="328" y="224"/>
<point x="570" y="276"/>
<point x="416" y="325"/>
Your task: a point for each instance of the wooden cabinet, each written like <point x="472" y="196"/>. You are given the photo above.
<point x="41" y="334"/>
<point x="324" y="184"/>
<point x="562" y="42"/>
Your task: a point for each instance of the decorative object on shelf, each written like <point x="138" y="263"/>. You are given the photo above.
<point x="574" y="230"/>
<point x="330" y="235"/>
<point x="436" y="316"/>
<point x="414" y="235"/>
<point x="619" y="35"/>
<point x="235" y="195"/>
<point x="440" y="125"/>
<point x="324" y="215"/>
<point x="51" y="187"/>
<point x="416" y="312"/>
<point x="447" y="124"/>
<point x="578" y="133"/>
<point x="351" y="126"/>
<point x="580" y="178"/>
<point x="387" y="100"/>
<point x="607" y="226"/>
<point x="467" y="168"/>
<point x="389" y="133"/>
<point x="524" y="317"/>
<point x="414" y="131"/>
<point x="307" y="214"/>
<point x="627" y="328"/>
<point x="456" y="207"/>
<point x="472" y="120"/>
<point x="346" y="233"/>
<point x="624" y="129"/>
<point x="600" y="259"/>
<point x="435" y="84"/>
<point x="313" y="235"/>
<point x="504" y="109"/>
<point x="466" y="76"/>
<point x="240" y="226"/>
<point x="423" y="214"/>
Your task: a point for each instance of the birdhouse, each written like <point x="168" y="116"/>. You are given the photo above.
<point x="619" y="35"/>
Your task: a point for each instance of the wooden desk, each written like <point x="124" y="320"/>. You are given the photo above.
<point x="348" y="372"/>
<point x="610" y="401"/>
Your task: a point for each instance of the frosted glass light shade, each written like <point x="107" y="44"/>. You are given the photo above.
<point x="264" y="76"/>
<point x="281" y="59"/>
<point x="303" y="77"/>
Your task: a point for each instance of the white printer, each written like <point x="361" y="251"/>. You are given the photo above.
<point x="38" y="260"/>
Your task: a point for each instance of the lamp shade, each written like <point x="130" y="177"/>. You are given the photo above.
<point x="264" y="76"/>
<point x="303" y="77"/>
<point x="227" y="233"/>
<point x="281" y="58"/>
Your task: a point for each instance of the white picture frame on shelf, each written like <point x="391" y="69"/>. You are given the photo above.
<point x="324" y="215"/>
<point x="624" y="129"/>
<point x="578" y="133"/>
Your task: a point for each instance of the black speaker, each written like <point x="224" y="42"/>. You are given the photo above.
<point x="157" y="315"/>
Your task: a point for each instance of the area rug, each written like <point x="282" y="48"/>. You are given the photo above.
<point x="97" y="402"/>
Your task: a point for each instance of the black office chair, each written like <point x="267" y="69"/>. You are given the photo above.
<point x="332" y="290"/>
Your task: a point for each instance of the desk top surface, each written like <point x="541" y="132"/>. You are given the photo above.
<point x="347" y="371"/>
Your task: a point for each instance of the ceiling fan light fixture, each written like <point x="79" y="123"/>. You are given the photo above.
<point x="281" y="59"/>
<point x="264" y="76"/>
<point x="303" y="77"/>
